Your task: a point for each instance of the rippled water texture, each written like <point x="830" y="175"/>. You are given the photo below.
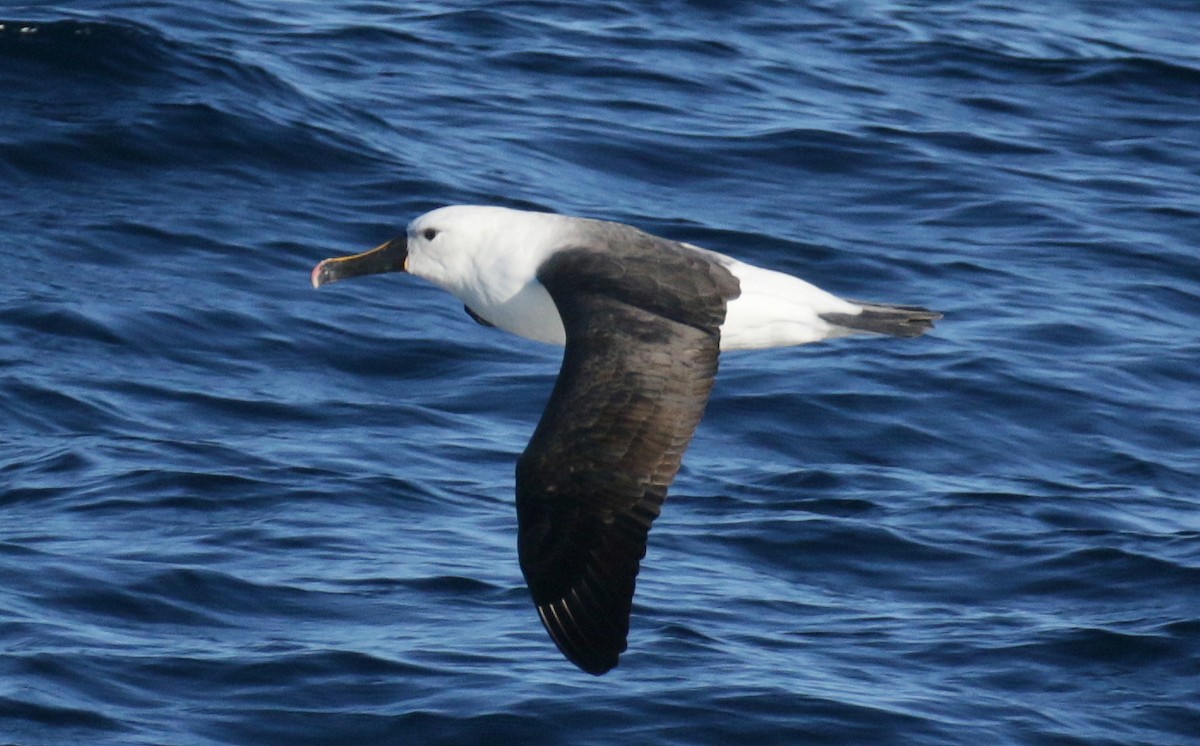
<point x="237" y="511"/>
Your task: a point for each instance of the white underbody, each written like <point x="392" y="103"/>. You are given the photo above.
<point x="493" y="271"/>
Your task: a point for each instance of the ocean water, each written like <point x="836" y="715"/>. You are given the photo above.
<point x="234" y="510"/>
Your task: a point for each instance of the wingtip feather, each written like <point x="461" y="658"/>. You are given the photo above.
<point x="596" y="657"/>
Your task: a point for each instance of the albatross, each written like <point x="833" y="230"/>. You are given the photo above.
<point x="643" y="320"/>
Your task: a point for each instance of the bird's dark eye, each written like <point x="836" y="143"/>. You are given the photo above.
<point x="429" y="233"/>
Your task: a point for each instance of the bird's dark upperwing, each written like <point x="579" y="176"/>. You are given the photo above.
<point x="642" y="338"/>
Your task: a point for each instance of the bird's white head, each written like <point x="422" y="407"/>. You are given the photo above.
<point x="483" y="255"/>
<point x="447" y="246"/>
<point x="473" y="251"/>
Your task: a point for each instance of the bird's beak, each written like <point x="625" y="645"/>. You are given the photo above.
<point x="389" y="257"/>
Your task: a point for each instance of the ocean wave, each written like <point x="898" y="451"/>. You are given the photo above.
<point x="120" y="50"/>
<point x="124" y="96"/>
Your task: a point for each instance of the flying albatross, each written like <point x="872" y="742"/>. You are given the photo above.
<point x="643" y="320"/>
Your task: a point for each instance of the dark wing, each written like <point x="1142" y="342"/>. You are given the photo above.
<point x="642" y="338"/>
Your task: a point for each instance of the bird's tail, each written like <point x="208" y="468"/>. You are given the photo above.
<point x="883" y="318"/>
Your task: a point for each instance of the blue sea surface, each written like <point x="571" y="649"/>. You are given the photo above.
<point x="234" y="510"/>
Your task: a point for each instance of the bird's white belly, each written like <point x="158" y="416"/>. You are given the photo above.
<point x="778" y="310"/>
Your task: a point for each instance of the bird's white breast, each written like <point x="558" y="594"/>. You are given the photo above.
<point x="528" y="312"/>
